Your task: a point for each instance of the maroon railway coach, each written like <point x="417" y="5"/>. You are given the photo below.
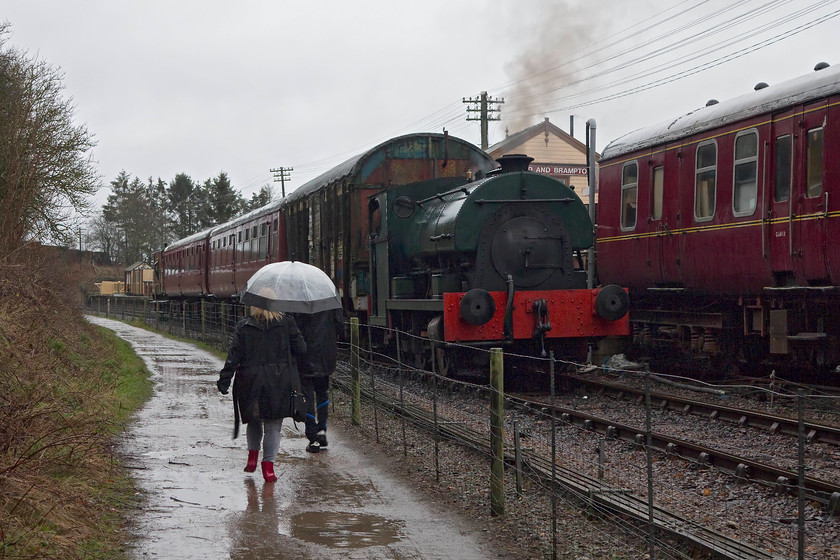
<point x="722" y="224"/>
<point x="219" y="261"/>
<point x="324" y="222"/>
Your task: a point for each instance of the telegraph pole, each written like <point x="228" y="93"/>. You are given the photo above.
<point x="281" y="175"/>
<point x="484" y="106"/>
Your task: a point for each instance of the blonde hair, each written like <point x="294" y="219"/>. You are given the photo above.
<point x="263" y="315"/>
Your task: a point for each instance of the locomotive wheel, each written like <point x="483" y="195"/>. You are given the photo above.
<point x="444" y="362"/>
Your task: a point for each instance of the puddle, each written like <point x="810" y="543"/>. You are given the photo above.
<point x="337" y="529"/>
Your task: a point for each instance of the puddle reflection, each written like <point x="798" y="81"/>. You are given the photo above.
<point x="336" y="529"/>
<point x="257" y="532"/>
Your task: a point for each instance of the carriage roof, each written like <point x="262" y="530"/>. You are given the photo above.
<point x="803" y="89"/>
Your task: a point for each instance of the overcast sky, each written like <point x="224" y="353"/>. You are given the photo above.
<point x="203" y="86"/>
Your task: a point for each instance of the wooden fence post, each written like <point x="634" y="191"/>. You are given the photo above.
<point x="355" y="384"/>
<point x="497" y="441"/>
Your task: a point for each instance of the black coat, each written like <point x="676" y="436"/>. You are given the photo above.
<point x="319" y="330"/>
<point x="262" y="367"/>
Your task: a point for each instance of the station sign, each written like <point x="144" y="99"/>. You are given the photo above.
<point x="557" y="169"/>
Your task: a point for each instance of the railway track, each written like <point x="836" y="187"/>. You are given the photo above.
<point x="773" y="424"/>
<point x="743" y="469"/>
<point x="591" y="491"/>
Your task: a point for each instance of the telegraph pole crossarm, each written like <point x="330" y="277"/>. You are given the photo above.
<point x="281" y="175"/>
<point x="483" y="105"/>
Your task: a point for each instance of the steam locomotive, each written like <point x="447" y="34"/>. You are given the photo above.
<point x="722" y="223"/>
<point x="424" y="234"/>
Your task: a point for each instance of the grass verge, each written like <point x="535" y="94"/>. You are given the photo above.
<point x="67" y="392"/>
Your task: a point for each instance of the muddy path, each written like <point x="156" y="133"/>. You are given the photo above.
<point x="339" y="503"/>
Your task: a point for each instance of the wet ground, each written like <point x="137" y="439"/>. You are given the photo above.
<point x="200" y="504"/>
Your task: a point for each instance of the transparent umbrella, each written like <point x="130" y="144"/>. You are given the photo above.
<point x="291" y="286"/>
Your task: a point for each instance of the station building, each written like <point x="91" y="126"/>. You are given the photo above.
<point x="555" y="152"/>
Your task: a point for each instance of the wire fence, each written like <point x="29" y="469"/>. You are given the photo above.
<point x="634" y="499"/>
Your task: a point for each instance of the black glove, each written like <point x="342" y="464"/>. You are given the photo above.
<point x="223" y="386"/>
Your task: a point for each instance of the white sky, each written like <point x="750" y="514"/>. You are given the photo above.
<point x="203" y="86"/>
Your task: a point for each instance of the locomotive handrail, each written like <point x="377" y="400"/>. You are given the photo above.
<point x="440" y="196"/>
<point x="507" y="324"/>
<point x="508" y="201"/>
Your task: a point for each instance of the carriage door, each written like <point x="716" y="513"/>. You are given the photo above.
<point x="810" y="198"/>
<point x="315" y="252"/>
<point x="778" y="168"/>
<point x="658" y="228"/>
<point x="379" y="274"/>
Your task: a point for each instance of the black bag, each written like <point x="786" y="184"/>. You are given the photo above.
<point x="298" y="406"/>
<point x="297" y="400"/>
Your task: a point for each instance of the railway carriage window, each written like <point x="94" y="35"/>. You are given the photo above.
<point x="629" y="194"/>
<point x="814" y="172"/>
<point x="240" y="237"/>
<point x="275" y="224"/>
<point x="783" y="164"/>
<point x="705" y="179"/>
<point x="745" y="183"/>
<point x="254" y="231"/>
<point x="656" y="195"/>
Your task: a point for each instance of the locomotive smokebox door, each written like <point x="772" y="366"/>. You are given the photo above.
<point x="529" y="249"/>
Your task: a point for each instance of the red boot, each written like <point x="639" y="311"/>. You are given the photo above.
<point x="252" y="460"/>
<point x="268" y="471"/>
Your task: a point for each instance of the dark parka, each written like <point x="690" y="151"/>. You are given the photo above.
<point x="260" y="356"/>
<point x="319" y="330"/>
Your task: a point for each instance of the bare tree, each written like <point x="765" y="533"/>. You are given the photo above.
<point x="46" y="169"/>
<point x="102" y="235"/>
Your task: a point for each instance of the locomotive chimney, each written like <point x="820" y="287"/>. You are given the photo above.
<point x="511" y="163"/>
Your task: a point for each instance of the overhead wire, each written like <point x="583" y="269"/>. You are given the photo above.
<point x="451" y="117"/>
<point x="699" y="68"/>
<point x="684" y="42"/>
<point x="583" y="54"/>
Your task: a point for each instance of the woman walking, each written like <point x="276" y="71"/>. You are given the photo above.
<point x="260" y="363"/>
